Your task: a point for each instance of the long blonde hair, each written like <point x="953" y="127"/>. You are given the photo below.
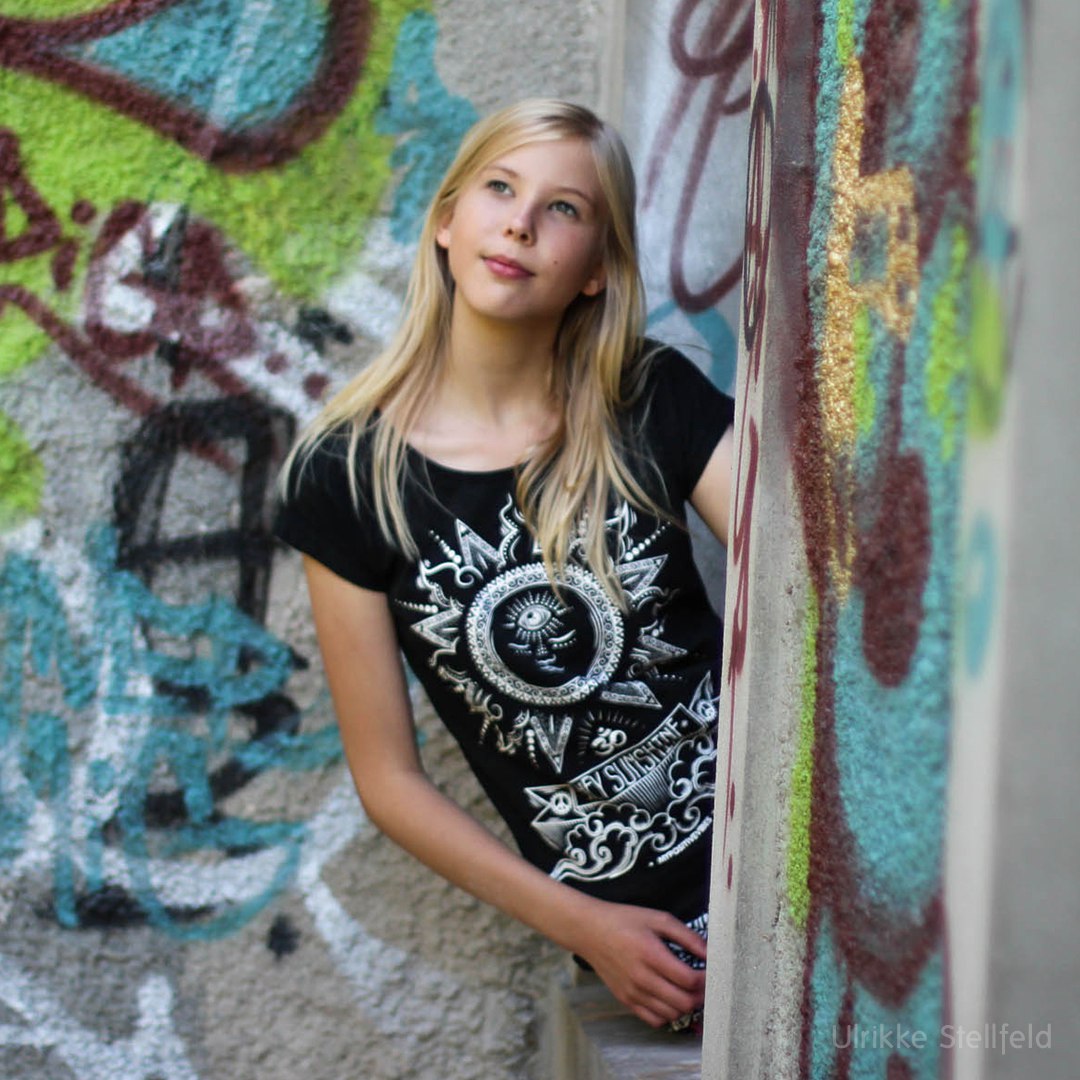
<point x="565" y="487"/>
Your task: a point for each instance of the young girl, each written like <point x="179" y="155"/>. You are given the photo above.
<point x="500" y="496"/>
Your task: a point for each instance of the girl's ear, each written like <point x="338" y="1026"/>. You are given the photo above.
<point x="442" y="233"/>
<point x="596" y="284"/>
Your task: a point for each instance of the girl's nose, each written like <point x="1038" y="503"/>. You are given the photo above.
<point x="519" y="227"/>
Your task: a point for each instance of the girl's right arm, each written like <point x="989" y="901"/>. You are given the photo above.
<point x="624" y="944"/>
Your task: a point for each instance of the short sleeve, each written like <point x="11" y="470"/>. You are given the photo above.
<point x="316" y="516"/>
<point x="685" y="417"/>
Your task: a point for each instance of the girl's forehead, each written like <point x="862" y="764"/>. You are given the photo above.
<point x="567" y="150"/>
<point x="564" y="162"/>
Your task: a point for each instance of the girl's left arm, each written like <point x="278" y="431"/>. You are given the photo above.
<point x="711" y="496"/>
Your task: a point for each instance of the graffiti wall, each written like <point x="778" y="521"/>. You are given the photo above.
<point x="206" y="211"/>
<point x="685" y="106"/>
<point x="891" y="236"/>
<point x="881" y="284"/>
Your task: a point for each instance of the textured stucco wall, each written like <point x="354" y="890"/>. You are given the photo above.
<point x="884" y="252"/>
<point x="207" y="207"/>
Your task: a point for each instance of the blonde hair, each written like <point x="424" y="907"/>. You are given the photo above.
<point x="565" y="487"/>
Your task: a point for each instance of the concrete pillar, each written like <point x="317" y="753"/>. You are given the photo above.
<point x="898" y="737"/>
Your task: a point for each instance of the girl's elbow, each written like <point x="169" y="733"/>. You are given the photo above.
<point x="384" y="799"/>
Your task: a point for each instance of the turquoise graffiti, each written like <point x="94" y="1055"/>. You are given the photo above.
<point x="211" y="81"/>
<point x="212" y="97"/>
<point x="429" y="121"/>
<point x="110" y="740"/>
<point x="715" y="331"/>
<point x="996" y="294"/>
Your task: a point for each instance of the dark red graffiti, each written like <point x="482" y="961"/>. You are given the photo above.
<point x="890" y="64"/>
<point x="719" y="57"/>
<point x="42" y="230"/>
<point x="758" y="224"/>
<point x="897" y="1068"/>
<point x="42" y="234"/>
<point x="891" y="568"/>
<point x="755" y="274"/>
<point x="741" y="516"/>
<point x="199" y="318"/>
<point x="38" y="47"/>
<point x="194" y="318"/>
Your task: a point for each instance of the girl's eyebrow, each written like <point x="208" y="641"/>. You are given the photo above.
<point x="564" y="187"/>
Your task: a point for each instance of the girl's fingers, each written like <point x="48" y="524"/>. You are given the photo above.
<point x="677" y="972"/>
<point x="651" y="1018"/>
<point x="674" y="989"/>
<point x="671" y="1003"/>
<point x="639" y="966"/>
<point x="681" y="934"/>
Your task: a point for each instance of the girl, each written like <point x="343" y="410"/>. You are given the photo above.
<point x="500" y="496"/>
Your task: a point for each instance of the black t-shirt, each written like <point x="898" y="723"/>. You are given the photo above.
<point x="591" y="730"/>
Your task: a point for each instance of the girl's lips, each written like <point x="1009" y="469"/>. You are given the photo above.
<point x="506" y="268"/>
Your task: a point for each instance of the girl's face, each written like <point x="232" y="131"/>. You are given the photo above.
<point x="525" y="237"/>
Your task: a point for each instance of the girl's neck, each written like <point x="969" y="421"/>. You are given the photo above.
<point x="493" y="404"/>
<point x="494" y="369"/>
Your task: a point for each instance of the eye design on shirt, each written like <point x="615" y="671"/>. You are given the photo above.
<point x="536" y="621"/>
<point x="534" y="618"/>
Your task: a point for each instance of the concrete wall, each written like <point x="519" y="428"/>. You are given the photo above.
<point x="684" y="111"/>
<point x="1024" y="594"/>
<point x="680" y="84"/>
<point x="900" y="330"/>
<point x="207" y="208"/>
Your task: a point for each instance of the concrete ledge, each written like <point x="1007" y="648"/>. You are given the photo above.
<point x="593" y="1037"/>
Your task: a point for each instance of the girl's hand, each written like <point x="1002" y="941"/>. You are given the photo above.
<point x="626" y="947"/>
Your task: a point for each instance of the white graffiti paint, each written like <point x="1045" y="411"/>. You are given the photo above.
<point x="259" y="354"/>
<point x="359" y="299"/>
<point x="372" y="968"/>
<point x="154" y="1050"/>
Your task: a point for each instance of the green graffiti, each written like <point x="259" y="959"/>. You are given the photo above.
<point x="989" y="356"/>
<point x="21" y="476"/>
<point x="948" y="359"/>
<point x="53" y="9"/>
<point x="845" y="31"/>
<point x="300" y="223"/>
<point x="865" y="398"/>
<point x="798" y="866"/>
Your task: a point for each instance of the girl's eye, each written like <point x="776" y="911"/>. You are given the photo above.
<point x="563" y="207"/>
<point x="501" y="186"/>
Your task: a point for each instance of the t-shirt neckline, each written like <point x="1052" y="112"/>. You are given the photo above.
<point x="431" y="463"/>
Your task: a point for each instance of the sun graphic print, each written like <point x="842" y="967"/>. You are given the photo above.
<point x="618" y="746"/>
<point x="518" y="651"/>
